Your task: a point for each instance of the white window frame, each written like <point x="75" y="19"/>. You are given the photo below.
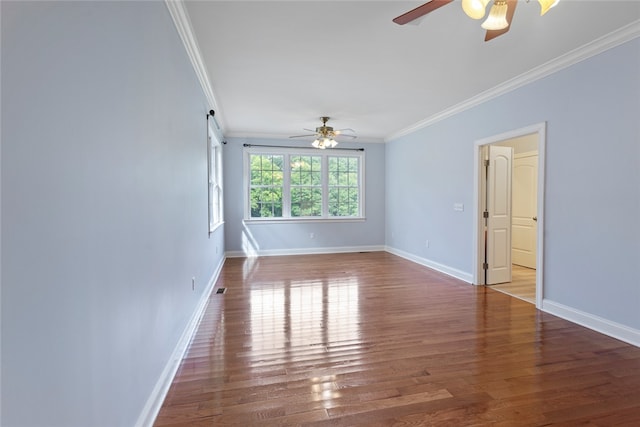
<point x="286" y="191"/>
<point x="214" y="174"/>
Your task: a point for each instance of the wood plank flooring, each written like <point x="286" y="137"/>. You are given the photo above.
<point x="522" y="285"/>
<point x="371" y="339"/>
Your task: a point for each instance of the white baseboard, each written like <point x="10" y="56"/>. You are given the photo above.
<point x="598" y="324"/>
<point x="305" y="251"/>
<point x="154" y="402"/>
<point x="453" y="272"/>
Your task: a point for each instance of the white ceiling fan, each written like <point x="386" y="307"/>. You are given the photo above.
<point x="326" y="135"/>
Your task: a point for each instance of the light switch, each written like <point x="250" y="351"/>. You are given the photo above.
<point x="458" y="207"/>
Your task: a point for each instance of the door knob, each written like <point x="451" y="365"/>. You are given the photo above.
<point x="535" y="218"/>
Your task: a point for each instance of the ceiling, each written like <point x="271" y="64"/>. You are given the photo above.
<point x="275" y="67"/>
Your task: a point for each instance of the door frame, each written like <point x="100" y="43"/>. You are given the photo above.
<point x="478" y="227"/>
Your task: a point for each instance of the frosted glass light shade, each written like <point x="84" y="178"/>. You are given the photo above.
<point x="497" y="19"/>
<point x="474" y="9"/>
<point x="545" y="5"/>
<point x="324" y="142"/>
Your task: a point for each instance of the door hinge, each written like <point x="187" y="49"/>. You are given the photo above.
<point x="485" y="266"/>
<point x="486" y="163"/>
<point x="485" y="214"/>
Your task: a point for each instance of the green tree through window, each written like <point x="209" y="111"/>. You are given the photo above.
<point x="344" y="186"/>
<point x="306" y="186"/>
<point x="266" y="185"/>
<point x="287" y="184"/>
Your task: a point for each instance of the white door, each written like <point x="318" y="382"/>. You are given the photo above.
<point x="498" y="253"/>
<point x="524" y="229"/>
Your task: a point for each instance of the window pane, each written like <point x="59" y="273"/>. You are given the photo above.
<point x="343" y="202"/>
<point x="266" y="202"/>
<point x="215" y="183"/>
<point x="352" y="179"/>
<point x="306" y="190"/>
<point x="312" y="191"/>
<point x="333" y="170"/>
<point x="266" y="169"/>
<point x="306" y="170"/>
<point x="217" y="212"/>
<point x="316" y="170"/>
<point x="306" y="201"/>
<point x="266" y="185"/>
<point x="343" y="186"/>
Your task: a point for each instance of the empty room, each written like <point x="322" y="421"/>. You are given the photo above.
<point x="319" y="213"/>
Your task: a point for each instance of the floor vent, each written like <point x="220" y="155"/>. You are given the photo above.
<point x="221" y="290"/>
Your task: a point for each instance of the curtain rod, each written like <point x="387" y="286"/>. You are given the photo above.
<point x="301" y="148"/>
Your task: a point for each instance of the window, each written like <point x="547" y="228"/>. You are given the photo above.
<point x="306" y="186"/>
<point x="295" y="184"/>
<point x="214" y="163"/>
<point x="267" y="183"/>
<point x="344" y="188"/>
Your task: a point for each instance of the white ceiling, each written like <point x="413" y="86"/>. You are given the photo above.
<point x="275" y="67"/>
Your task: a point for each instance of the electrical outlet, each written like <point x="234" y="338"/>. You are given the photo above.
<point x="312" y="235"/>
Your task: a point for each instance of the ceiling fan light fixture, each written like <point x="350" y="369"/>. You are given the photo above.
<point x="545" y="5"/>
<point x="497" y="19"/>
<point x="326" y="135"/>
<point x="324" y="142"/>
<point x="475" y="9"/>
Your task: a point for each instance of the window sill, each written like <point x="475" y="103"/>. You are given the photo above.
<point x="302" y="220"/>
<point x="215" y="227"/>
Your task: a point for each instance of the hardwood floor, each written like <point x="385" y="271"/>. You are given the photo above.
<point x="522" y="285"/>
<point x="372" y="339"/>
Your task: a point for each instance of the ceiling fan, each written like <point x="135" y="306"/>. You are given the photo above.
<point x="497" y="23"/>
<point x="326" y="135"/>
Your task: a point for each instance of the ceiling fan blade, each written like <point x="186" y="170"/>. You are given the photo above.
<point x="301" y="136"/>
<point x="420" y="11"/>
<point x="511" y="8"/>
<point x="340" y="133"/>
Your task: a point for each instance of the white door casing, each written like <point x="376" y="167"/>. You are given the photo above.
<point x="479" y="201"/>
<point x="524" y="209"/>
<point x="498" y="255"/>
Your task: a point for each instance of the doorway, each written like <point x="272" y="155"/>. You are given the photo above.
<point x="525" y="140"/>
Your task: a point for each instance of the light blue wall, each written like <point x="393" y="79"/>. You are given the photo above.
<point x="295" y="237"/>
<point x="427" y="172"/>
<point x="592" y="204"/>
<point x="104" y="208"/>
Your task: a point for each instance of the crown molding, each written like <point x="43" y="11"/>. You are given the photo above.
<point x="178" y="12"/>
<point x="606" y="42"/>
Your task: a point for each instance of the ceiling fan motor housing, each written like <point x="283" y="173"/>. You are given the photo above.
<point x="325" y="130"/>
